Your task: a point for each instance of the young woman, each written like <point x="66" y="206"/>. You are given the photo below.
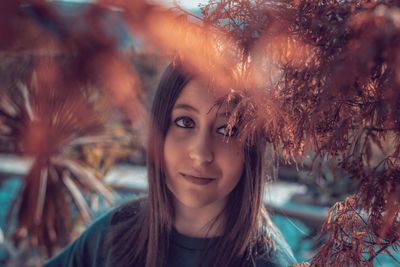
<point x="205" y="201"/>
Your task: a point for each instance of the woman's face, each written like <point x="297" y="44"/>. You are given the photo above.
<point x="202" y="167"/>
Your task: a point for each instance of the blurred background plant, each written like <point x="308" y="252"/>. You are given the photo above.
<point x="68" y="100"/>
<point x="73" y="135"/>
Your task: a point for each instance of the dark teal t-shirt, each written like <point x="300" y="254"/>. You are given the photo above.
<point x="90" y="249"/>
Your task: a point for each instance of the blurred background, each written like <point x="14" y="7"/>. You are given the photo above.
<point x="72" y="148"/>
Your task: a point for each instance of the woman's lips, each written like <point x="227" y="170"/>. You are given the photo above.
<point x="197" y="180"/>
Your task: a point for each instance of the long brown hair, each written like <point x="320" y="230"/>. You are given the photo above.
<point x="143" y="240"/>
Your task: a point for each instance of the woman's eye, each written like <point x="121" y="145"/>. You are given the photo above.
<point x="226" y="131"/>
<point x="184" y="122"/>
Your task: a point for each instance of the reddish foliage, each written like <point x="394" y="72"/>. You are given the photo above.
<point x="340" y="99"/>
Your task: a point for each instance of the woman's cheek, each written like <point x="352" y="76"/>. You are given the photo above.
<point x="231" y="149"/>
<point x="180" y="136"/>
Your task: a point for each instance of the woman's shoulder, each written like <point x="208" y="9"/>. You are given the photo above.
<point x="117" y="215"/>
<point x="281" y="254"/>
<point x="88" y="249"/>
<point x="127" y="211"/>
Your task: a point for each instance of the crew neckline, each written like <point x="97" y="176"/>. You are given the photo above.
<point x="192" y="243"/>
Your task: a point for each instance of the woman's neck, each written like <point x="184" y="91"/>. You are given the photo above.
<point x="204" y="221"/>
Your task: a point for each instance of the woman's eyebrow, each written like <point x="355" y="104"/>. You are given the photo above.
<point x="185" y="107"/>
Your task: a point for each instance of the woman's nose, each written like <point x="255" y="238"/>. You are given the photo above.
<point x="201" y="149"/>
